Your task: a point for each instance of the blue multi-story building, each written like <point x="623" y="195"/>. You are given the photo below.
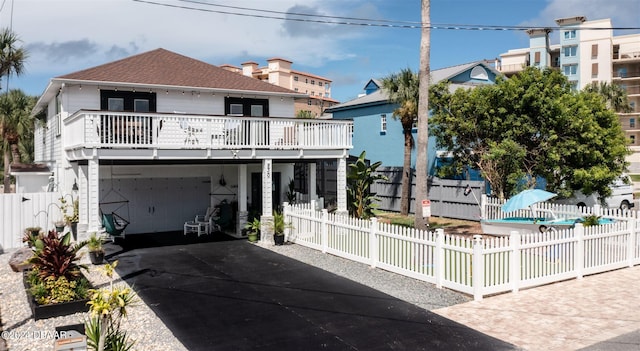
<point x="380" y="135"/>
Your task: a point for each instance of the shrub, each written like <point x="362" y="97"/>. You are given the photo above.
<point x="55" y="256"/>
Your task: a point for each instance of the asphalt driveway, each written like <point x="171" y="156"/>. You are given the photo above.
<point x="234" y="295"/>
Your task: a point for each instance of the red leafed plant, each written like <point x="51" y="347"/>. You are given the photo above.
<point x="55" y="256"/>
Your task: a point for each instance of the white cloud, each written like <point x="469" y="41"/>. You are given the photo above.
<point x="70" y="35"/>
<point x="623" y="13"/>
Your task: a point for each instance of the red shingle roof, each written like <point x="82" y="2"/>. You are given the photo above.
<point x="163" y="67"/>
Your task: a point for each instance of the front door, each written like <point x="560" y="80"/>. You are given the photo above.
<point x="256" y="191"/>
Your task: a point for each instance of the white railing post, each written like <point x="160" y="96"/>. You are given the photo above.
<point x="324" y="227"/>
<point x="483" y="206"/>
<point x="597" y="210"/>
<point x="579" y="262"/>
<point x="478" y="268"/>
<point x="631" y="243"/>
<point x="514" y="262"/>
<point x="373" y="242"/>
<point x="287" y="220"/>
<point x="439" y="269"/>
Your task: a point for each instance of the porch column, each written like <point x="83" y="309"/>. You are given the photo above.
<point x="90" y="185"/>
<point x="266" y="220"/>
<point x="341" y="186"/>
<point x="312" y="181"/>
<point x="242" y="198"/>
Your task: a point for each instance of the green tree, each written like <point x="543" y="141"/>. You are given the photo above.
<point x="530" y="125"/>
<point x="403" y="89"/>
<point x="359" y="180"/>
<point x="16" y="129"/>
<point x="615" y="97"/>
<point x="305" y="114"/>
<point x="12" y="59"/>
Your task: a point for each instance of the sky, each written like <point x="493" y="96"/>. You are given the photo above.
<point x="65" y="36"/>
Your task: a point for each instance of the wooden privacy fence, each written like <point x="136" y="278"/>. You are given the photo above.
<point x="478" y="265"/>
<point x="20" y="211"/>
<point x="448" y="197"/>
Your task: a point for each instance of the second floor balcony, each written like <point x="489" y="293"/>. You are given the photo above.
<point x="128" y="135"/>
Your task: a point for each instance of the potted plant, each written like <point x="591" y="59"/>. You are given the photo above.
<point x="30" y="236"/>
<point x="96" y="251"/>
<point x="279" y="227"/>
<point x="291" y="192"/>
<point x="34" y="231"/>
<point x="55" y="285"/>
<point x="253" y="228"/>
<point x="59" y="224"/>
<point x="71" y="219"/>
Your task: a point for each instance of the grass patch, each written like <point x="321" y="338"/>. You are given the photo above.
<point x="407" y="221"/>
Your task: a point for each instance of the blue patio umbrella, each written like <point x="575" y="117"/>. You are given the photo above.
<point x="526" y="198"/>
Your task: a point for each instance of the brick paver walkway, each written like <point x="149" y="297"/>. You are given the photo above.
<point x="564" y="316"/>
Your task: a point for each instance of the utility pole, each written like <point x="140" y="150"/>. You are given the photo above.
<point x="422" y="222"/>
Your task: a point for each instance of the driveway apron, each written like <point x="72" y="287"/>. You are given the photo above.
<point x="233" y="295"/>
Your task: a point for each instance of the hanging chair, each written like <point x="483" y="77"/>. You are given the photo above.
<point x="113" y="224"/>
<point x="112" y="203"/>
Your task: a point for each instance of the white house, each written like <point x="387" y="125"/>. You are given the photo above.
<point x="158" y="137"/>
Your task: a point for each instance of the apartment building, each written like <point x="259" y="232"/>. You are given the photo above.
<point x="587" y="52"/>
<point x="278" y="71"/>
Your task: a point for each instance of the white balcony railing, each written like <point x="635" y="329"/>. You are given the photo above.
<point x="175" y="131"/>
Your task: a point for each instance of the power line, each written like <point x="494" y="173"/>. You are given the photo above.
<point x="355" y="21"/>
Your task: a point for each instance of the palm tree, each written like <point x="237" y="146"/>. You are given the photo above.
<point x="614" y="95"/>
<point x="12" y="60"/>
<point x="403" y="89"/>
<point x="423" y="116"/>
<point x="16" y="128"/>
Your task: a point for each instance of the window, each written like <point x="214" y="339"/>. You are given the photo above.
<point x="632" y="122"/>
<point x="295" y="89"/>
<point x="236" y="106"/>
<point x="309" y="102"/>
<point x="570" y="70"/>
<point x="111" y="100"/>
<point x="622" y="72"/>
<point x="319" y="84"/>
<point x="301" y="178"/>
<point x="235" y="109"/>
<point x="570" y="51"/>
<point x="536" y="58"/>
<point x="58" y="121"/>
<point x="306" y="80"/>
<point x="116" y="104"/>
<point x="594" y="70"/>
<point x="632" y="139"/>
<point x="313" y="93"/>
<point x="574" y="85"/>
<point x="295" y="78"/>
<point x="257" y="111"/>
<point x="383" y="123"/>
<point x="594" y="51"/>
<point x="570" y="34"/>
<point x="414" y="125"/>
<point x="313" y="82"/>
<point x="141" y="105"/>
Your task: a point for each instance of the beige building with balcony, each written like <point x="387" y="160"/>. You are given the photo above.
<point x="278" y="71"/>
<point x="587" y="53"/>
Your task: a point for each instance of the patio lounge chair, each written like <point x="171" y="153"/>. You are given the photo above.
<point x="114" y="225"/>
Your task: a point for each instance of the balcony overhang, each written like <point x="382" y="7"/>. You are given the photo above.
<point x="107" y="135"/>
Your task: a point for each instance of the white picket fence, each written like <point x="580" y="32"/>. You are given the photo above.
<point x="491" y="209"/>
<point x="20" y="211"/>
<point x="478" y="266"/>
